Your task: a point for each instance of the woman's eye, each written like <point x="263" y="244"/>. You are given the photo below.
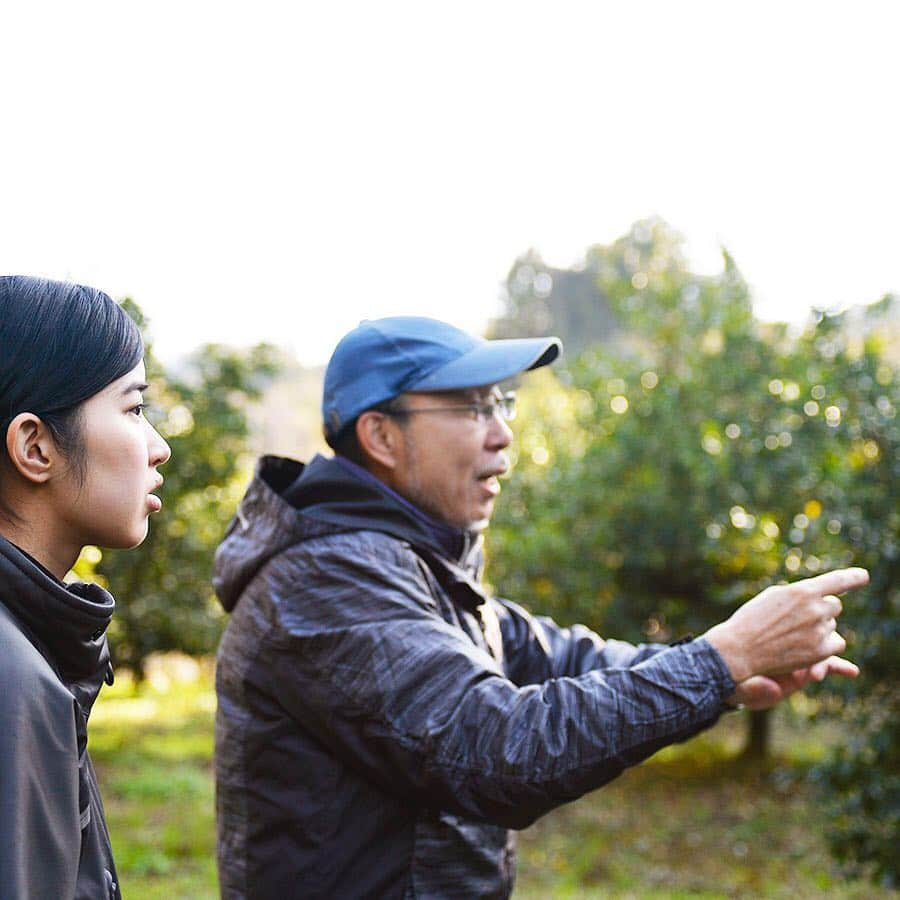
<point x="139" y="409"/>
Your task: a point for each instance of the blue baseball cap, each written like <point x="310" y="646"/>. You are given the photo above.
<point x="383" y="358"/>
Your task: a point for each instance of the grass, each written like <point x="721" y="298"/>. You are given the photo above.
<point x="697" y="825"/>
<point x="152" y="747"/>
<point x="693" y="822"/>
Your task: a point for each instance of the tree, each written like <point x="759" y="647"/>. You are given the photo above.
<point x="666" y="477"/>
<point x="862" y="778"/>
<point x="165" y="599"/>
<point x="540" y="299"/>
<point x="640" y="431"/>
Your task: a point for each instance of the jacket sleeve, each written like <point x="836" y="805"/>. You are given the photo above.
<point x="536" y="648"/>
<point x="40" y="833"/>
<point x="363" y="660"/>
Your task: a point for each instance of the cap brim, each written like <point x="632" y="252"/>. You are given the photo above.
<point x="490" y="363"/>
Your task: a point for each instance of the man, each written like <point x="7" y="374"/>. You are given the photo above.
<point x="382" y="721"/>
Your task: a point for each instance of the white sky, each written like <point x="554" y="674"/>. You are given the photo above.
<point x="279" y="171"/>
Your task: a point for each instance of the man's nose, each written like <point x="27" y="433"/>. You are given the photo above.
<point x="499" y="434"/>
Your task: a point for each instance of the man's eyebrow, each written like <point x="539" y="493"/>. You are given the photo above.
<point x="475" y="395"/>
<point x="463" y="396"/>
<point x="452" y="394"/>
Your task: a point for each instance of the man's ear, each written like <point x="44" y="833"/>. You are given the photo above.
<point x="379" y="437"/>
<point x="31" y="448"/>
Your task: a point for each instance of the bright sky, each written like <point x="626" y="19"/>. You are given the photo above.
<point x="278" y="171"/>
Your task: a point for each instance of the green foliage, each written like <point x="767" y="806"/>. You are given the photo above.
<point x="861" y="784"/>
<point x="542" y="300"/>
<point x="698" y="824"/>
<point x="862" y="778"/>
<point x="158" y="798"/>
<point x="666" y="478"/>
<point x="619" y="501"/>
<point x="163" y="587"/>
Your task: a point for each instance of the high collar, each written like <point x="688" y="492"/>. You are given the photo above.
<point x="454" y="541"/>
<point x="288" y="502"/>
<point x="66" y="622"/>
<point x="347" y="496"/>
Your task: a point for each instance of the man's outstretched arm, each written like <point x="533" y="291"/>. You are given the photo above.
<point x="786" y="628"/>
<point x="762" y="644"/>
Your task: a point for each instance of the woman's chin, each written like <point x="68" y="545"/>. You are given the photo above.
<point x="126" y="540"/>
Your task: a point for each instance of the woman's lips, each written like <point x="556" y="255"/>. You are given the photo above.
<point x="153" y="501"/>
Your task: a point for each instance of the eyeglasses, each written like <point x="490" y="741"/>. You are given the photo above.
<point x="503" y="406"/>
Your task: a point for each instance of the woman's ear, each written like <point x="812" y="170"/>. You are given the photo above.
<point x="31" y="448"/>
<point x="379" y="437"/>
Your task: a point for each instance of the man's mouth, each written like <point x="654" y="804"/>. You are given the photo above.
<point x="490" y="480"/>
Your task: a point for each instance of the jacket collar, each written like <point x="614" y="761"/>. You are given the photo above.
<point x="289" y="502"/>
<point x="347" y="497"/>
<point x="66" y="622"/>
<point x="453" y="541"/>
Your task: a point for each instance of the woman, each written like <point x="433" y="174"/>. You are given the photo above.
<point x="77" y="466"/>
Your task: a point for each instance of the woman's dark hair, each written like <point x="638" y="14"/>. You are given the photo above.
<point x="60" y="344"/>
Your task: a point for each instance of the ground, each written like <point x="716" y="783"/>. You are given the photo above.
<point x="693" y="822"/>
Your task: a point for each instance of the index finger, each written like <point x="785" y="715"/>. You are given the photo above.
<point x="835" y="582"/>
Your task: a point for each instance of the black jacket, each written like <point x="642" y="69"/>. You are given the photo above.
<point x="53" y="662"/>
<point x="382" y="723"/>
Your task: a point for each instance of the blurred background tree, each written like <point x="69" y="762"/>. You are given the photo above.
<point x="862" y="779"/>
<point x="685" y="456"/>
<point x="166" y="598"/>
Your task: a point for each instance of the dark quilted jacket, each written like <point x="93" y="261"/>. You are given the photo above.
<point x="53" y="661"/>
<point x="382" y="724"/>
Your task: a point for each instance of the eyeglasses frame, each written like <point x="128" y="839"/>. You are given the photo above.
<point x="502" y="407"/>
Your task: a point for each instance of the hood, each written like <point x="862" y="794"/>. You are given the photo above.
<point x="289" y="502"/>
<point x="66" y="622"/>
